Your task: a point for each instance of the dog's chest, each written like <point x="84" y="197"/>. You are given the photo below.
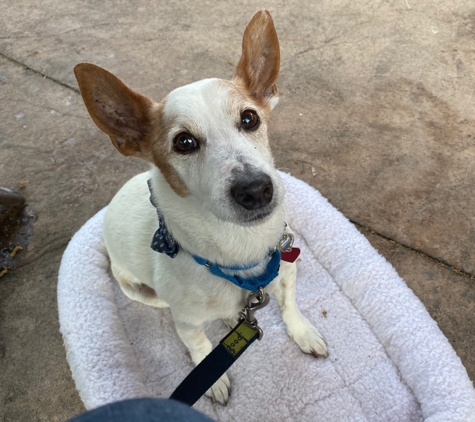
<point x="205" y="305"/>
<point x="193" y="290"/>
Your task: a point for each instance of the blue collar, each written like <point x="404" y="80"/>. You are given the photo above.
<point x="251" y="283"/>
<point x="164" y="242"/>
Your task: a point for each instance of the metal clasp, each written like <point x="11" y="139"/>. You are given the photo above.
<point x="286" y="242"/>
<point x="255" y="300"/>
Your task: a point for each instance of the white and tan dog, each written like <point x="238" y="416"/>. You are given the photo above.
<point x="215" y="184"/>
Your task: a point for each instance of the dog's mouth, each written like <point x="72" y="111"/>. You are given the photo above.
<point x="236" y="214"/>
<point x="260" y="217"/>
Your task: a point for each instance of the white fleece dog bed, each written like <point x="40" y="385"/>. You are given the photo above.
<point x="388" y="359"/>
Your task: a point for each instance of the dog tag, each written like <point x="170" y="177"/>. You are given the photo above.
<point x="290" y="256"/>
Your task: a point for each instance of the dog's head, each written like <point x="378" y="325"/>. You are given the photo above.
<point x="209" y="138"/>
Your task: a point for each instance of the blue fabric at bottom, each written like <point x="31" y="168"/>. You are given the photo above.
<point x="143" y="410"/>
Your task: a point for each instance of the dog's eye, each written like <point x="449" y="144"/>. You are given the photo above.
<point x="250" y="120"/>
<point x="185" y="143"/>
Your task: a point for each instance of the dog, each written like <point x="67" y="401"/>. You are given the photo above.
<point x="214" y="189"/>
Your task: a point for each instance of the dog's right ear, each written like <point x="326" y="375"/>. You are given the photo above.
<point x="117" y="110"/>
<point x="258" y="68"/>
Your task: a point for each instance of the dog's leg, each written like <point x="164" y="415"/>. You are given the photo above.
<point x="231" y="322"/>
<point x="299" y="328"/>
<point x="135" y="290"/>
<point x="199" y="346"/>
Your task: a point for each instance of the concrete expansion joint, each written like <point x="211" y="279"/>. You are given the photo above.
<point x="441" y="262"/>
<point x="36" y="72"/>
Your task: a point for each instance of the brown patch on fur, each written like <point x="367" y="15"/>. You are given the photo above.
<point x="117" y="110"/>
<point x="160" y="151"/>
<point x="147" y="291"/>
<point x="134" y="123"/>
<point x="239" y="94"/>
<point x="258" y="68"/>
<point x="211" y="302"/>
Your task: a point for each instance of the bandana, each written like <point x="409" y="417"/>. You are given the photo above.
<point x="162" y="241"/>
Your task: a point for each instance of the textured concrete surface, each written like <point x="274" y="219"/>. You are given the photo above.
<point x="47" y="145"/>
<point x="448" y="296"/>
<point x="377" y="112"/>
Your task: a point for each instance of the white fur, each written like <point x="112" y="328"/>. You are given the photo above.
<point x="193" y="294"/>
<point x="202" y="225"/>
<point x="210" y="111"/>
<point x="204" y="205"/>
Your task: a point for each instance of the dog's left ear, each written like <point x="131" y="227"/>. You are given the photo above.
<point x="259" y="66"/>
<point x="117" y="110"/>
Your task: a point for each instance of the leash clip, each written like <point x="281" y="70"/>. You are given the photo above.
<point x="286" y="241"/>
<point x="255" y="300"/>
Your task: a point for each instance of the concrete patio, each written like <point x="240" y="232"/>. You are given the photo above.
<point x="377" y="111"/>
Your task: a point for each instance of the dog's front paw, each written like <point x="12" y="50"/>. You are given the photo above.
<point x="308" y="339"/>
<point x="219" y="392"/>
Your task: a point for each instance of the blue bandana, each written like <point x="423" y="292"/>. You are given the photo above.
<point x="164" y="242"/>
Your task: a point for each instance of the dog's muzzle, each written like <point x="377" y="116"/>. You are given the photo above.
<point x="252" y="191"/>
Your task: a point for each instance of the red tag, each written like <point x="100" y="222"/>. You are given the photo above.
<point x="290" y="256"/>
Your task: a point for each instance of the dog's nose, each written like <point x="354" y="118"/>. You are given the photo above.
<point x="253" y="193"/>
